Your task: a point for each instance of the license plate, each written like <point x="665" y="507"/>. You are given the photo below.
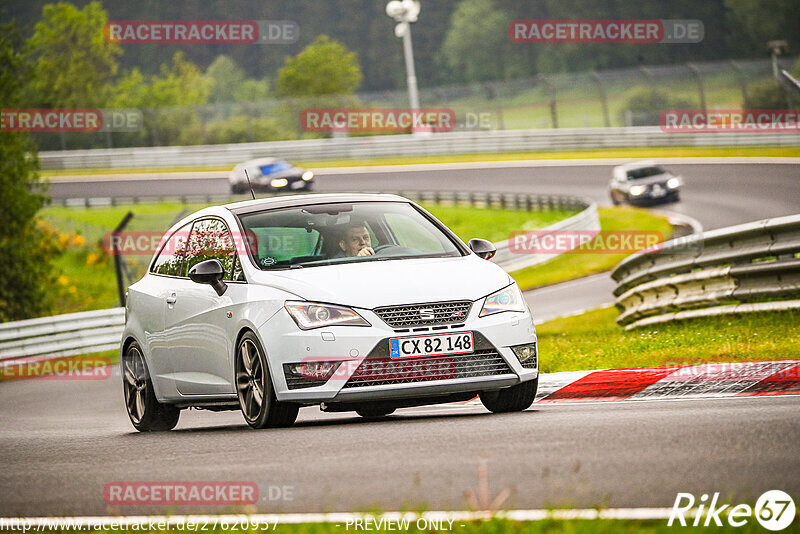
<point x="658" y="192"/>
<point x="297" y="185"/>
<point x="431" y="345"/>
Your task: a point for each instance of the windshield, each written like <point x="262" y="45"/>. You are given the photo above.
<point x="645" y="172"/>
<point x="278" y="166"/>
<point x="325" y="234"/>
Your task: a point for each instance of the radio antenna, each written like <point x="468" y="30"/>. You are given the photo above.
<point x="249" y="184"/>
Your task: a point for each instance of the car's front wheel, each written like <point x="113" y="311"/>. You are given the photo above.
<point x="514" y="399"/>
<point x="144" y="410"/>
<point x="257" y="400"/>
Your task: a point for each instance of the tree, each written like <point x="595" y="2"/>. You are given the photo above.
<point x="476" y="46"/>
<point x="225" y="77"/>
<point x="25" y="256"/>
<point x="74" y="62"/>
<point x="325" y="67"/>
<point x="177" y="88"/>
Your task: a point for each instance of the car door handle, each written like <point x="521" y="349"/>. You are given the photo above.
<point x="171" y="299"/>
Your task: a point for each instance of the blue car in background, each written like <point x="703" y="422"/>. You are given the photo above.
<point x="270" y="174"/>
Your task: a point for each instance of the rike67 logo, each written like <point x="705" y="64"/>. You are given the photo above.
<point x="774" y="510"/>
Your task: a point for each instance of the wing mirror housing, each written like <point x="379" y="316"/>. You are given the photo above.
<point x="482" y="248"/>
<point x="209" y="272"/>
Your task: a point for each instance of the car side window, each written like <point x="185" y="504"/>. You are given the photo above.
<point x="211" y="240"/>
<point x="171" y="256"/>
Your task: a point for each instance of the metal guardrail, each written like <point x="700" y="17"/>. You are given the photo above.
<point x="62" y="335"/>
<point x="101" y="330"/>
<point x="745" y="268"/>
<point x="495" y="141"/>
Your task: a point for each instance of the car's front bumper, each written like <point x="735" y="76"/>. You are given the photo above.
<point x="285" y="343"/>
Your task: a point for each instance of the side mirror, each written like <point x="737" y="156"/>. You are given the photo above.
<point x="209" y="272"/>
<point x="483" y="248"/>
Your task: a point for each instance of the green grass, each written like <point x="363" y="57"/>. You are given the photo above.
<point x="86" y="279"/>
<point x="577" y="264"/>
<point x="594" y="341"/>
<point x="650" y="152"/>
<point x="491" y="224"/>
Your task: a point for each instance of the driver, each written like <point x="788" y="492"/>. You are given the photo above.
<point x="355" y="242"/>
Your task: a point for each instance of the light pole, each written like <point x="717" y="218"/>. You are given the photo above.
<point x="405" y="12"/>
<point x="776" y="48"/>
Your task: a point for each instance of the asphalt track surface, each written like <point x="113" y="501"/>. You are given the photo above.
<point x="62" y="441"/>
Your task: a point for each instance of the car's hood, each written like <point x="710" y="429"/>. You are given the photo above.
<point x="385" y="283"/>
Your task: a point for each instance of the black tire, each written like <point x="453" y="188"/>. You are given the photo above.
<point x="253" y="382"/>
<point x="374" y="413"/>
<point x="144" y="410"/>
<point x="514" y="399"/>
<point x="614" y="200"/>
<point x="238" y="189"/>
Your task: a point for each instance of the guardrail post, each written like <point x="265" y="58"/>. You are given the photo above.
<point x="118" y="256"/>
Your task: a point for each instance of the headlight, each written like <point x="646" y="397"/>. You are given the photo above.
<point x="674" y="183"/>
<point x="310" y="315"/>
<point x="308" y="175"/>
<point x="507" y="299"/>
<point x="637" y="190"/>
<point x="279" y="182"/>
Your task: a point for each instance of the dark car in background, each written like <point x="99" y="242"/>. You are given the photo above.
<point x="643" y="183"/>
<point x="270" y="174"/>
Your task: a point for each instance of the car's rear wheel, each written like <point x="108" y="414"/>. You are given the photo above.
<point x="513" y="399"/>
<point x="144" y="410"/>
<point x="374" y="413"/>
<point x="257" y="400"/>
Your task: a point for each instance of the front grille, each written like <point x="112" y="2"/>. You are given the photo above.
<point x="383" y="370"/>
<point x="434" y="314"/>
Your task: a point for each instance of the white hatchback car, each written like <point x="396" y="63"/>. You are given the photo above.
<point x="353" y="302"/>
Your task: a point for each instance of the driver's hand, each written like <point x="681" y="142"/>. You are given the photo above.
<point x="366" y="251"/>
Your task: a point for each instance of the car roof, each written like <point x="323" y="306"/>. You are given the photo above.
<point x="637" y="165"/>
<point x="290" y="201"/>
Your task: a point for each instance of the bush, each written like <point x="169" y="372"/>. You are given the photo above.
<point x="766" y="94"/>
<point x="645" y="104"/>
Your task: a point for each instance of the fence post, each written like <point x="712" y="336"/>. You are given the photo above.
<point x="742" y="83"/>
<point x="603" y="99"/>
<point x="118" y="257"/>
<point x="699" y="77"/>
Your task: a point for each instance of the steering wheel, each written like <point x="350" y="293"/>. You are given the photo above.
<point x="380" y="248"/>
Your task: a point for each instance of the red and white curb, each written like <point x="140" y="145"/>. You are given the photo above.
<point x="744" y="379"/>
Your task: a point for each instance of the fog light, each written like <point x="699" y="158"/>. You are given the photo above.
<point x="279" y="182"/>
<point x="313" y="370"/>
<point x="525" y="352"/>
